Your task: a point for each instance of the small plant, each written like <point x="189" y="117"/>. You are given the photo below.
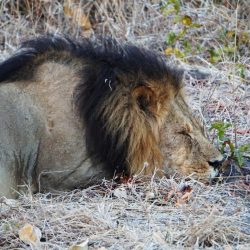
<point x="185" y="41"/>
<point x="235" y="152"/>
<point x="179" y="42"/>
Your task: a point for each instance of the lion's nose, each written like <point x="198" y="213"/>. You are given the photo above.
<point x="216" y="163"/>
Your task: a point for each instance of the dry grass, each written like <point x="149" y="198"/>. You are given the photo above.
<point x="152" y="214"/>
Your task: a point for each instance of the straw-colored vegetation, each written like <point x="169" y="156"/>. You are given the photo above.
<point x="210" y="39"/>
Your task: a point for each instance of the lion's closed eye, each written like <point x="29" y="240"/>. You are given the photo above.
<point x="185" y="133"/>
<point x="186" y="130"/>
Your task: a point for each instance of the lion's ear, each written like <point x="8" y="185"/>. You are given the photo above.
<point x="146" y="99"/>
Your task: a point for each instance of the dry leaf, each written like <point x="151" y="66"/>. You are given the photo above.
<point x="187" y="20"/>
<point x="82" y="246"/>
<point x="169" y="51"/>
<point x="31" y="235"/>
<point x="75" y="12"/>
<point x="187" y="196"/>
<point x="184" y="198"/>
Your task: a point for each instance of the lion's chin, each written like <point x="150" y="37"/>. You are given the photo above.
<point x="213" y="173"/>
<point x="208" y="175"/>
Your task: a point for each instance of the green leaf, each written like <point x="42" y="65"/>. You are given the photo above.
<point x="242" y="70"/>
<point x="214" y="56"/>
<point x="220" y="125"/>
<point x="217" y="125"/>
<point x="168" y="11"/>
<point x="229" y="49"/>
<point x="244" y="148"/>
<point x="232" y="147"/>
<point x="171" y="38"/>
<point x="176" y="4"/>
<point x="182" y="33"/>
<point x="195" y="25"/>
<point x="187" y="46"/>
<point x="171" y="6"/>
<point x="239" y="157"/>
<point x="199" y="48"/>
<point x="221" y="134"/>
<point x="222" y="149"/>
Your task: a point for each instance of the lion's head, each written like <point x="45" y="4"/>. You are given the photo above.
<point x="137" y="120"/>
<point x="185" y="148"/>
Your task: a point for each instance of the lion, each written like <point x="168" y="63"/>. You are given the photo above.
<point x="76" y="112"/>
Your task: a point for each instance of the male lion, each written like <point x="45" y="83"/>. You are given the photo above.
<point x="73" y="113"/>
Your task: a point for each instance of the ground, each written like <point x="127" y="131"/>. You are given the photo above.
<point x="210" y="39"/>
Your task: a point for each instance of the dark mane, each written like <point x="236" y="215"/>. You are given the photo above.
<point x="35" y="51"/>
<point x="128" y="58"/>
<point x="108" y="68"/>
